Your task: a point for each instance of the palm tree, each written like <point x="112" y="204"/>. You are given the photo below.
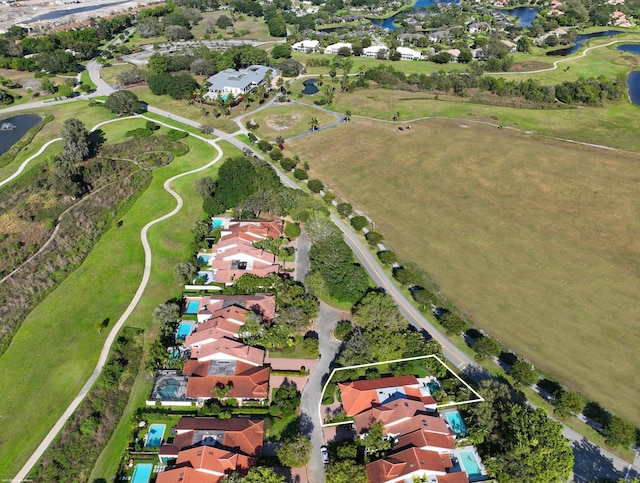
<point x="396" y="117"/>
<point x="347" y="115"/>
<point x="314" y="124"/>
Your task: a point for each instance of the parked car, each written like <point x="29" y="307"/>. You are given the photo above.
<point x="325" y="454"/>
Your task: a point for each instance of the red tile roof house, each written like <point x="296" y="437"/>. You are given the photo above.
<point x="211" y="305"/>
<point x="207" y="449"/>
<point x="234" y="254"/>
<point x="227" y="362"/>
<point x="411" y="463"/>
<point x="358" y="396"/>
<point x="204" y="465"/>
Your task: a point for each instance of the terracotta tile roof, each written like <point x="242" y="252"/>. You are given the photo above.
<point x="227" y="276"/>
<point x="406" y="463"/>
<point x="225" y="349"/>
<point x="187" y="475"/>
<point x="216" y="460"/>
<point x="458" y="477"/>
<point x="358" y="396"/>
<point x="421" y="421"/>
<point x="215" y="328"/>
<point x="389" y="413"/>
<point x="424" y="439"/>
<point x="253" y="384"/>
<point x="264" y="303"/>
<point x="243" y="435"/>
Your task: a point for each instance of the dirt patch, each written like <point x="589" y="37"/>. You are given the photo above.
<point x="282" y="122"/>
<point x="529" y="65"/>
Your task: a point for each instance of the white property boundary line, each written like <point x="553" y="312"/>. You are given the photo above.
<point x="430" y="356"/>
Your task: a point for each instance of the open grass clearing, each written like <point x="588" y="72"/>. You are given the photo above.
<point x="110" y="72"/>
<point x="256" y="26"/>
<point x="613" y="125"/>
<point x="534" y="239"/>
<point x="606" y="61"/>
<point x="287" y="120"/>
<point x="200" y="113"/>
<point x="406" y="66"/>
<point x="59" y="336"/>
<point x="169" y="242"/>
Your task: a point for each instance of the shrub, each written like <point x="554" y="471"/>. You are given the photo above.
<point x="359" y="222"/>
<point x="265" y="145"/>
<point x="343" y="330"/>
<point x="287" y="164"/>
<point x="407" y="275"/>
<point x="315" y="185"/>
<point x="453" y="323"/>
<point x="329" y="197"/>
<point x="174" y="135"/>
<point x="373" y="237"/>
<point x="486" y="346"/>
<point x="344" y="209"/>
<point x="292" y="230"/>
<point x="276" y="153"/>
<point x="523" y="373"/>
<point x="300" y="174"/>
<point x="388" y="257"/>
<point x="141" y="132"/>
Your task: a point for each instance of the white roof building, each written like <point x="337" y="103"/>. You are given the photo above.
<point x="236" y="82"/>
<point x="335" y="48"/>
<point x="373" y="51"/>
<point x="306" y="46"/>
<point x="409" y="54"/>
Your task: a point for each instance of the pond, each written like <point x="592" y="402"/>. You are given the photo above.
<point x="13" y="128"/>
<point x="633" y="48"/>
<point x="581" y="39"/>
<point x="525" y="15"/>
<point x="633" y="84"/>
<point x="310" y="87"/>
<point x="387" y="23"/>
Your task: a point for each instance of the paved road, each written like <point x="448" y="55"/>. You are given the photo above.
<point x="310" y="418"/>
<point x="23" y="473"/>
<point x="302" y="257"/>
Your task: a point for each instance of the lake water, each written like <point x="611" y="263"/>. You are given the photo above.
<point x="581" y="39"/>
<point x="310" y="87"/>
<point x="525" y="15"/>
<point x="13" y="128"/>
<point x="633" y="48"/>
<point x="388" y="22"/>
<point x="633" y="84"/>
<point x="72" y="11"/>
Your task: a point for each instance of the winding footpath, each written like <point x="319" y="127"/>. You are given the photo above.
<point x="104" y="354"/>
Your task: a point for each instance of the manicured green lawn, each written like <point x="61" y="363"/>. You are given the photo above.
<point x="57" y="346"/>
<point x="170" y="245"/>
<point x="109" y="73"/>
<point x="78" y="109"/>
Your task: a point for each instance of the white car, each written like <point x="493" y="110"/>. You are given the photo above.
<point x="325" y="455"/>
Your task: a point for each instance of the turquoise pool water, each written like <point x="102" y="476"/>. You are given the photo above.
<point x="184" y="329"/>
<point x="433" y="386"/>
<point x="169" y="389"/>
<point x="154" y="437"/>
<point x="457" y="424"/>
<point x="217" y="224"/>
<point x="470" y="463"/>
<point x="204" y="258"/>
<point x="192" y="307"/>
<point x="142" y="473"/>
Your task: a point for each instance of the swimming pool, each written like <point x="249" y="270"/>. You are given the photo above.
<point x="168" y="391"/>
<point x="184" y="330"/>
<point x="455" y="421"/>
<point x="470" y="464"/>
<point x="433" y="386"/>
<point x="203" y="258"/>
<point x="217" y="223"/>
<point x="155" y="434"/>
<point x="192" y="307"/>
<point x="142" y="473"/>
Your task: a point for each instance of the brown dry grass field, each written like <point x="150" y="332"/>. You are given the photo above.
<point x="287" y="120"/>
<point x="537" y="240"/>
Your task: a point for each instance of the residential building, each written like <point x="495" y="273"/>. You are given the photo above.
<point x="409" y="54"/>
<point x="204" y="464"/>
<point x="375" y="52"/>
<point x="241" y="435"/>
<point x="306" y="46"/>
<point x="212" y="306"/>
<point x="335" y="48"/>
<point x="413" y="463"/>
<point x="231" y="82"/>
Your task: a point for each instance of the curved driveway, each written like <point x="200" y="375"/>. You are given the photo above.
<point x="23" y="473"/>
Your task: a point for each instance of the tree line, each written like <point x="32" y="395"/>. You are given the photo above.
<point x="591" y="92"/>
